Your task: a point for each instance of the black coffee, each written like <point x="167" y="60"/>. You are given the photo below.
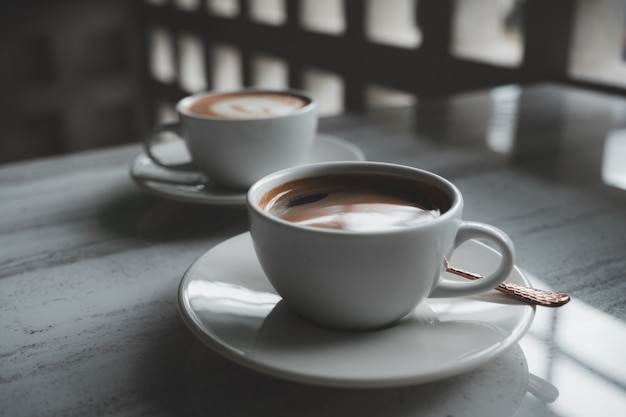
<point x="356" y="203"/>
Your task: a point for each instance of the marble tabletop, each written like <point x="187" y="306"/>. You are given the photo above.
<point x="90" y="265"/>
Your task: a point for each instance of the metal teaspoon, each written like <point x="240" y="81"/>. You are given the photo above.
<point x="535" y="296"/>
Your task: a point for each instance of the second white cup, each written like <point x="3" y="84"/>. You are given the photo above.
<point x="237" y="137"/>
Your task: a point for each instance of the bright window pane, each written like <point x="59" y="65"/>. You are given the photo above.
<point x="392" y="23"/>
<point x="223" y="8"/>
<point x="226" y="70"/>
<point x="162" y="65"/>
<point x="488" y="31"/>
<point x="270" y="12"/>
<point x="327" y="88"/>
<point x="191" y="63"/>
<point x="326" y="16"/>
<point x="269" y="72"/>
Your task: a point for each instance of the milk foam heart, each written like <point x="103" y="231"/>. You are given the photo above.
<point x="247" y="105"/>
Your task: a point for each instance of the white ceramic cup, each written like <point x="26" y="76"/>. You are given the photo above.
<point x="362" y="280"/>
<point x="235" y="152"/>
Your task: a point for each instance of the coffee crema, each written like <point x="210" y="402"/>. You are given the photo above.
<point x="356" y="202"/>
<point x="247" y="105"/>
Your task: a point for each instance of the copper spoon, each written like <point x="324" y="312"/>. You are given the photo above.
<point x="535" y="296"/>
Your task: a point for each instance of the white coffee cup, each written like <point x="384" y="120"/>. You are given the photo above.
<point x="363" y="279"/>
<point x="237" y="137"/>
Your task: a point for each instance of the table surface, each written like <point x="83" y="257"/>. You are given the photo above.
<point x="90" y="264"/>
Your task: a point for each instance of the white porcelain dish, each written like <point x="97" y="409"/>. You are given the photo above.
<point x="195" y="187"/>
<point x="228" y="303"/>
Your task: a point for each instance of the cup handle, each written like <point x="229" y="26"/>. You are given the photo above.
<point x="155" y="137"/>
<point x="475" y="230"/>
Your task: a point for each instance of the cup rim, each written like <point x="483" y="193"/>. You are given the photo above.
<point x="182" y="104"/>
<point x="275" y="179"/>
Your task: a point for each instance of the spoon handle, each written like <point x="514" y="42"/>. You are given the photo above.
<point x="535" y="296"/>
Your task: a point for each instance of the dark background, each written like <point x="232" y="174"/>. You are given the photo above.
<point x="75" y="74"/>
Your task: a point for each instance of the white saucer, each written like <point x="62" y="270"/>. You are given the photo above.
<point x="227" y="302"/>
<point x="195" y="187"/>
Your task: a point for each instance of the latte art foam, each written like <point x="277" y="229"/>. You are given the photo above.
<point x="247" y="105"/>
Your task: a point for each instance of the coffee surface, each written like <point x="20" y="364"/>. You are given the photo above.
<point x="355" y="203"/>
<point x="247" y="105"/>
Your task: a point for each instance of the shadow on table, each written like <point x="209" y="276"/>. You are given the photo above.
<point x="238" y="391"/>
<point x="136" y="214"/>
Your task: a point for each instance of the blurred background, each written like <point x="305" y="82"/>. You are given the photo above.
<point x="88" y="74"/>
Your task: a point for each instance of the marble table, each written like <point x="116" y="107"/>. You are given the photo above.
<point x="90" y="265"/>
